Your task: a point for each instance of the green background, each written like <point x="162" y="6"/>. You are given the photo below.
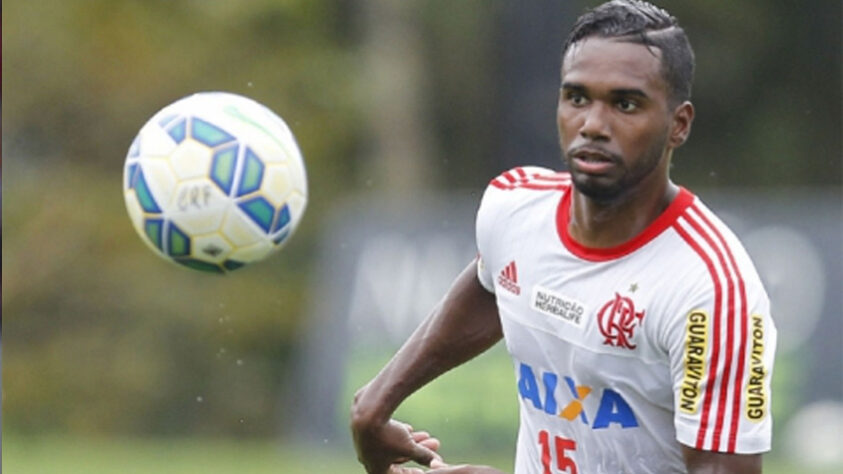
<point x="115" y="361"/>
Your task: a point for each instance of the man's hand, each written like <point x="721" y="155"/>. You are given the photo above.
<point x="442" y="468"/>
<point x="381" y="447"/>
<point x="464" y="324"/>
<point x="439" y="467"/>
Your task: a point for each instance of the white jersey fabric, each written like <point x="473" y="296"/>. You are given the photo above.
<point x="622" y="353"/>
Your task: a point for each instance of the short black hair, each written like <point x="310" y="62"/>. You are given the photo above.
<point x="637" y="21"/>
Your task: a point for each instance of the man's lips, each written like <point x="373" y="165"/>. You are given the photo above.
<point x="592" y="160"/>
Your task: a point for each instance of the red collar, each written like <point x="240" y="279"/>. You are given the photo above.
<point x="665" y="220"/>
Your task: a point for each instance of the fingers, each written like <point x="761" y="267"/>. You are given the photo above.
<point x="434" y="464"/>
<point x="419" y="436"/>
<point x="394" y="469"/>
<point x="459" y="469"/>
<point x="438" y="464"/>
<point x="424" y="455"/>
<point x="426" y="446"/>
<point x="423" y="438"/>
<point x="384" y="449"/>
<point x="432" y="444"/>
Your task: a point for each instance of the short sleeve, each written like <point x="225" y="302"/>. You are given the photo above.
<point x="500" y="198"/>
<point x="484" y="231"/>
<point x="721" y="352"/>
<point x="483" y="275"/>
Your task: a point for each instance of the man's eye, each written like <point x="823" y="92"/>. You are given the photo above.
<point x="626" y="105"/>
<point x="576" y="99"/>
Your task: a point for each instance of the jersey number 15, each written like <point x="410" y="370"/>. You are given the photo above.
<point x="563" y="462"/>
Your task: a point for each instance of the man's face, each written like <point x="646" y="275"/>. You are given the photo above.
<point x="613" y="117"/>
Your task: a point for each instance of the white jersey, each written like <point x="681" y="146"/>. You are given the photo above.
<point x="622" y="353"/>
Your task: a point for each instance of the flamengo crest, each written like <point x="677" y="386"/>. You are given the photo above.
<point x="617" y="320"/>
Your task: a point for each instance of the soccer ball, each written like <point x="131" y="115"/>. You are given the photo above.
<point x="215" y="181"/>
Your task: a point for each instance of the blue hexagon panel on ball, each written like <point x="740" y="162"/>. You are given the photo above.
<point x="215" y="181"/>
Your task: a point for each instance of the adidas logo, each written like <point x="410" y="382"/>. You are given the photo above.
<point x="508" y="278"/>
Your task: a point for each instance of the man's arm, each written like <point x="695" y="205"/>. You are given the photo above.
<point x="710" y="462"/>
<point x="463" y="325"/>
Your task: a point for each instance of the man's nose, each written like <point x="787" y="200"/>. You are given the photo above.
<point x="596" y="124"/>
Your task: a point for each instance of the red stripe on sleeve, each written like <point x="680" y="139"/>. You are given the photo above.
<point x="545" y="187"/>
<point x="538" y="182"/>
<point x="563" y="177"/>
<point x="730" y="330"/>
<point x="740" y="370"/>
<point x="518" y="178"/>
<point x="715" y="347"/>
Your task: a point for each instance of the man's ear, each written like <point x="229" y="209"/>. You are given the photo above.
<point x="683" y="117"/>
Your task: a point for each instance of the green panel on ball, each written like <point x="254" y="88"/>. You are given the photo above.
<point x="283" y="218"/>
<point x="232" y="264"/>
<point x="209" y="134"/>
<point x="144" y="195"/>
<point x="153" y="228"/>
<point x="178" y="243"/>
<point x="250" y="179"/>
<point x="222" y="168"/>
<point x="166" y="120"/>
<point x="260" y="211"/>
<point x="131" y="175"/>
<point x="178" y="131"/>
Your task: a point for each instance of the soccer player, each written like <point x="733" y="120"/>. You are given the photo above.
<point x="639" y="330"/>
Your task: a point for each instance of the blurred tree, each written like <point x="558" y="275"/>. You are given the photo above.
<point x="101" y="336"/>
<point x="767" y="93"/>
<point x="400" y="158"/>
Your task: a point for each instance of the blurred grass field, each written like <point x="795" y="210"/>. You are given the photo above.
<point x="74" y="455"/>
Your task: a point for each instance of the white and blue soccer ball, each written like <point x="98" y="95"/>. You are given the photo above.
<point x="215" y="181"/>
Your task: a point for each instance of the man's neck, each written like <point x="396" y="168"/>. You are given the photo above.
<point x="602" y="225"/>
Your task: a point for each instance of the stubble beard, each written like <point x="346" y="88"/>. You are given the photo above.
<point x="616" y="189"/>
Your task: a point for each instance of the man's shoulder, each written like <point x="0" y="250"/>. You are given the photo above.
<point x="531" y="178"/>
<point x="716" y="249"/>
<point x="703" y="230"/>
<point x="521" y="198"/>
<point x="524" y="187"/>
